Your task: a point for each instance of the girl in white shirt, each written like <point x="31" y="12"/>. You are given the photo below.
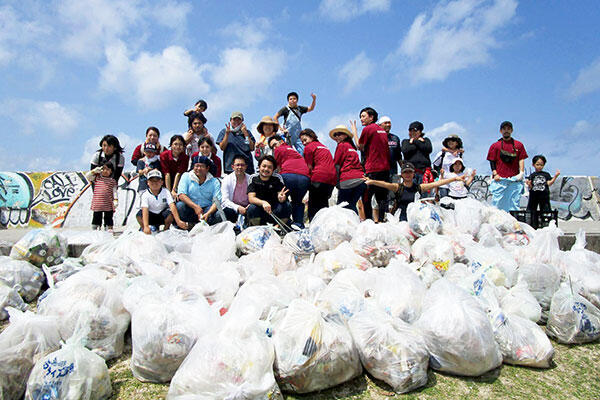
<point x="458" y="189"/>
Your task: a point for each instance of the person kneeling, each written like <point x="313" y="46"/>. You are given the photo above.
<point x="157" y="207"/>
<point x="267" y="195"/>
<point x="199" y="193"/>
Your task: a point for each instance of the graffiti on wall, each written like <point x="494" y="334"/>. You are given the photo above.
<point x="62" y="199"/>
<point x="58" y="199"/>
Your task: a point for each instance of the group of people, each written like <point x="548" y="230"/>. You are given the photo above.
<point x="375" y="172"/>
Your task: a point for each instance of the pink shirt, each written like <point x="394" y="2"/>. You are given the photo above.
<point x="240" y="193"/>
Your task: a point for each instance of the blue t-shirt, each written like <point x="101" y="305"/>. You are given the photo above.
<point x="237" y="144"/>
<point x="141" y="164"/>
<point x="200" y="194"/>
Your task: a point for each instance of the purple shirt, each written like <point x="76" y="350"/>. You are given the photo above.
<point x="240" y="193"/>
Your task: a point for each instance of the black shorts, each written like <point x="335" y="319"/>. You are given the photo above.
<point x="156" y="219"/>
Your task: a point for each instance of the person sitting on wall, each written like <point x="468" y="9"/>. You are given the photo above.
<point x="234" y="189"/>
<point x="198" y="193"/>
<point x="152" y="136"/>
<point x="149" y="162"/>
<point x="507" y="160"/>
<point x="157" y="206"/>
<point x="267" y="194"/>
<point x="235" y="139"/>
<point x="174" y="163"/>
<point x="206" y="147"/>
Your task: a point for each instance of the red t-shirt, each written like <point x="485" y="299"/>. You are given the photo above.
<point x="348" y="159"/>
<point x="215" y="159"/>
<point x="320" y="163"/>
<point x="290" y="161"/>
<point x="170" y="166"/>
<point x="377" y="151"/>
<point x="503" y="169"/>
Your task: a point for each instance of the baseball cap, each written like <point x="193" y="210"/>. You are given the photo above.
<point x="150" y="147"/>
<point x="384" y="119"/>
<point x="406" y="167"/>
<point x="416" y="125"/>
<point x="154" y="174"/>
<point x="506" y="123"/>
<point x="237" y="114"/>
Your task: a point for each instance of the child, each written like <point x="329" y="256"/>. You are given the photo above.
<point x="539" y="183"/>
<point x="157" y="207"/>
<point x="200" y="106"/>
<point x="458" y="189"/>
<point x="104" y="198"/>
<point x="144" y="165"/>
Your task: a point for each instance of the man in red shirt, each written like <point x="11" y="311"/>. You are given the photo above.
<point x="507" y="160"/>
<point x="374" y="143"/>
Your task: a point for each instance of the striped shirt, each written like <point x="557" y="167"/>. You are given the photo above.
<point x="104" y="192"/>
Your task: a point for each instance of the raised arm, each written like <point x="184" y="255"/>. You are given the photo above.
<point x="551" y="181"/>
<point x="314" y="102"/>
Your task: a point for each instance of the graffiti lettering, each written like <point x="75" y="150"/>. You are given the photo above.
<point x="60" y="187"/>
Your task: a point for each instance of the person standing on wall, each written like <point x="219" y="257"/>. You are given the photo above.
<point x="292" y="115"/>
<point x="235" y="139"/>
<point x="452" y="150"/>
<point x="350" y="172"/>
<point x="373" y="142"/>
<point x="507" y="161"/>
<point x="416" y="150"/>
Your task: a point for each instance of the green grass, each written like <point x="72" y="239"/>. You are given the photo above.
<point x="574" y="375"/>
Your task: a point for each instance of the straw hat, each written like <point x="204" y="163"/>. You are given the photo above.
<point x="342" y="129"/>
<point x="267" y="120"/>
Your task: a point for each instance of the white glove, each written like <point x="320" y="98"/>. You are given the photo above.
<point x="97" y="170"/>
<point x="115" y="203"/>
<point x="519" y="176"/>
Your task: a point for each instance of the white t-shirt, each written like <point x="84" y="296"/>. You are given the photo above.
<point x="456" y="188"/>
<point x="447" y="162"/>
<point x="156" y="204"/>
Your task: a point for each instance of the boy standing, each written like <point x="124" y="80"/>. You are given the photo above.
<point x="539" y="183"/>
<point x="292" y="114"/>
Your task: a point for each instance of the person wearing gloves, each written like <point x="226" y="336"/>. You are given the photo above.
<point x="267" y="195"/>
<point x="507" y="161"/>
<point x="198" y="193"/>
<point x="235" y="139"/>
<point x="146" y="164"/>
<point x="452" y="150"/>
<point x="294" y="171"/>
<point x="234" y="189"/>
<point x="157" y="206"/>
<point x="104" y="197"/>
<point x="406" y="191"/>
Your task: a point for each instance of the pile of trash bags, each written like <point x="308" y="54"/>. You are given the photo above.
<point x="459" y="288"/>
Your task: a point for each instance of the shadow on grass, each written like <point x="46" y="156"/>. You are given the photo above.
<point x="354" y="387"/>
<point x="489" y="377"/>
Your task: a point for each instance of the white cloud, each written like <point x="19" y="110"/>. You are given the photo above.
<point x="455" y="36"/>
<point x="17" y="33"/>
<point x="345" y="10"/>
<point x="152" y="79"/>
<point x="41" y="116"/>
<point x="250" y="34"/>
<point x="438" y="134"/>
<point x="587" y="81"/>
<point x="356" y="71"/>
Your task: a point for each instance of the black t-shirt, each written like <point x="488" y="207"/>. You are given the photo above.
<point x="405" y="196"/>
<point x="539" y="182"/>
<point x="285" y="111"/>
<point x="395" y="152"/>
<point x="266" y="190"/>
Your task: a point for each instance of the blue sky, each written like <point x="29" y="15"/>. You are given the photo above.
<point x="73" y="71"/>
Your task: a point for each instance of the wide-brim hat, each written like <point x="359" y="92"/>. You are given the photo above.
<point x="461" y="163"/>
<point x="267" y="120"/>
<point x="342" y="129"/>
<point x="456" y="138"/>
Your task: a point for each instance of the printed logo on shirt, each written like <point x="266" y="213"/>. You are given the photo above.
<point x="164" y="200"/>
<point x="392" y="143"/>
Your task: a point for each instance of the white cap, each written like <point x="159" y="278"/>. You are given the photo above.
<point x="154" y="174"/>
<point x="384" y="119"/>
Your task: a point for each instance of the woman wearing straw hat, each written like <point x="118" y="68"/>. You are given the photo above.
<point x="350" y="172"/>
<point x="267" y="127"/>
<point x="452" y="149"/>
<point x="322" y="172"/>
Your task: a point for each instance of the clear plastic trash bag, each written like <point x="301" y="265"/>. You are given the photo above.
<point x="469" y="215"/>
<point x="313" y="350"/>
<point x="28" y="338"/>
<point x="221" y="238"/>
<point x="521" y="341"/>
<point x="496" y="263"/>
<point x="22" y="276"/>
<point x="165" y="324"/>
<point x="390" y="349"/>
<point x="9" y="297"/>
<point x="341" y="297"/>
<point x="299" y="242"/>
<point x="86" y="237"/>
<point x="378" y="243"/>
<point x="328" y="263"/>
<point x="254" y="238"/>
<point x="331" y="226"/>
<point x="41" y="246"/>
<point x="55" y="274"/>
<point x="435" y="249"/>
<point x="543" y="280"/>
<point x="130" y="246"/>
<point x="519" y="301"/>
<point x="274" y="258"/>
<point x="306" y="285"/>
<point x="423" y="218"/>
<point x="398" y="291"/>
<point x="174" y="239"/>
<point x="572" y="318"/>
<point x="236" y="363"/>
<point x="94" y="294"/>
<point x="71" y="373"/>
<point x="489" y="236"/>
<point x="449" y="312"/>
